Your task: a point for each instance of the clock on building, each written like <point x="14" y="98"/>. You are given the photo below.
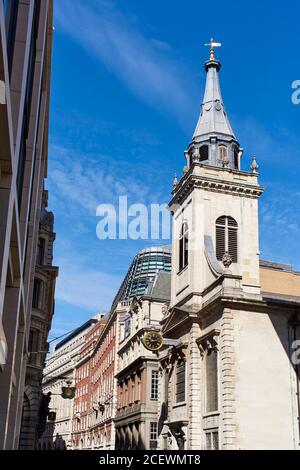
<point x="153" y="340"/>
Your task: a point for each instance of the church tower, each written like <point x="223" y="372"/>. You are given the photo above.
<point x="214" y="206"/>
<point x="226" y="367"/>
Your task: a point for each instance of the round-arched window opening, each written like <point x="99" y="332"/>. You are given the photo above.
<point x="223" y="155"/>
<point x="203" y="153"/>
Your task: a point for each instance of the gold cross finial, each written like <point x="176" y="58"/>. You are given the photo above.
<point x="212" y="44"/>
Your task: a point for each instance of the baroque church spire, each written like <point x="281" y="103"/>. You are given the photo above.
<point x="214" y="142"/>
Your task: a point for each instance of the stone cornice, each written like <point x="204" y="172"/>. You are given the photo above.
<point x="210" y="183"/>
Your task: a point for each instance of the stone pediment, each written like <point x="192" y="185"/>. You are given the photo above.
<point x="174" y="319"/>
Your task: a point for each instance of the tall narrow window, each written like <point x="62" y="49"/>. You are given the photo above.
<point x="41" y="252"/>
<point x="211" y="376"/>
<point x="33" y="346"/>
<point x="184" y="247"/>
<point x="212" y="440"/>
<point x="37" y="288"/>
<point x="180" y="381"/>
<point x="154" y="385"/>
<point x="236" y="158"/>
<point x="203" y="153"/>
<point x="127" y="326"/>
<point x="153" y="436"/>
<point x="11" y="8"/>
<point x="226" y="238"/>
<point x="223" y="155"/>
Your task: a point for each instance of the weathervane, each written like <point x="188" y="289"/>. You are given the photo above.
<point x="212" y="44"/>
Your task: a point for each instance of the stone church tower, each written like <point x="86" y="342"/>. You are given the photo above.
<point x="228" y="381"/>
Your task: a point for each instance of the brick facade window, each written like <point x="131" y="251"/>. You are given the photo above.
<point x="153" y="436"/>
<point x="154" y="385"/>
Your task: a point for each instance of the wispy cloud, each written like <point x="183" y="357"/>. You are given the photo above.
<point x="273" y="144"/>
<point x="79" y="183"/>
<point x="146" y="65"/>
<point x="279" y="218"/>
<point x="86" y="288"/>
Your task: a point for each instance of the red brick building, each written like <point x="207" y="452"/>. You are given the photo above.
<point x="83" y="403"/>
<point x="103" y="370"/>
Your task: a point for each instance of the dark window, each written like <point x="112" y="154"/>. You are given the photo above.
<point x="154" y="385"/>
<point x="184" y="247"/>
<point x="153" y="436"/>
<point x="203" y="153"/>
<point x="31" y="60"/>
<point x="41" y="252"/>
<point x="226" y="238"/>
<point x="11" y="15"/>
<point x="28" y="99"/>
<point x="127" y="327"/>
<point x="21" y="165"/>
<point x="33" y="346"/>
<point x="37" y="288"/>
<point x="212" y="440"/>
<point x="33" y="341"/>
<point x="180" y="381"/>
<point x="236" y="158"/>
<point x="211" y="381"/>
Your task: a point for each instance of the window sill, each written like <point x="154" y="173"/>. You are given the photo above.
<point x="211" y="413"/>
<point x="178" y="405"/>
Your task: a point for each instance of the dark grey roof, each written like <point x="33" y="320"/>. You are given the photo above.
<point x="160" y="287"/>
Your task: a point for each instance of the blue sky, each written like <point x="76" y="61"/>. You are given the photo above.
<point x="127" y="85"/>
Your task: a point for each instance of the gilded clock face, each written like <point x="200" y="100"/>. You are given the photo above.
<point x="153" y="340"/>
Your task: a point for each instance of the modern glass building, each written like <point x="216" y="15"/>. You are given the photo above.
<point x="142" y="271"/>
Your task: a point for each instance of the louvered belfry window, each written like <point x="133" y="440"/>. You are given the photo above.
<point x="183" y="247"/>
<point x="226" y="238"/>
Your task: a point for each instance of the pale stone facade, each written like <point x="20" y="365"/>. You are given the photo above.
<point x="59" y="371"/>
<point x="137" y="371"/>
<point x="26" y="31"/>
<point x="229" y="381"/>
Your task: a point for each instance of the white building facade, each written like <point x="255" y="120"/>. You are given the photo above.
<point x="59" y="372"/>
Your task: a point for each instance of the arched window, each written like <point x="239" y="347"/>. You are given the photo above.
<point x="183" y="247"/>
<point x="203" y="153"/>
<point x="226" y="238"/>
<point x="223" y="155"/>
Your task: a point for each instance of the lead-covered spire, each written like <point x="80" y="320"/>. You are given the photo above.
<point x="214" y="142"/>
